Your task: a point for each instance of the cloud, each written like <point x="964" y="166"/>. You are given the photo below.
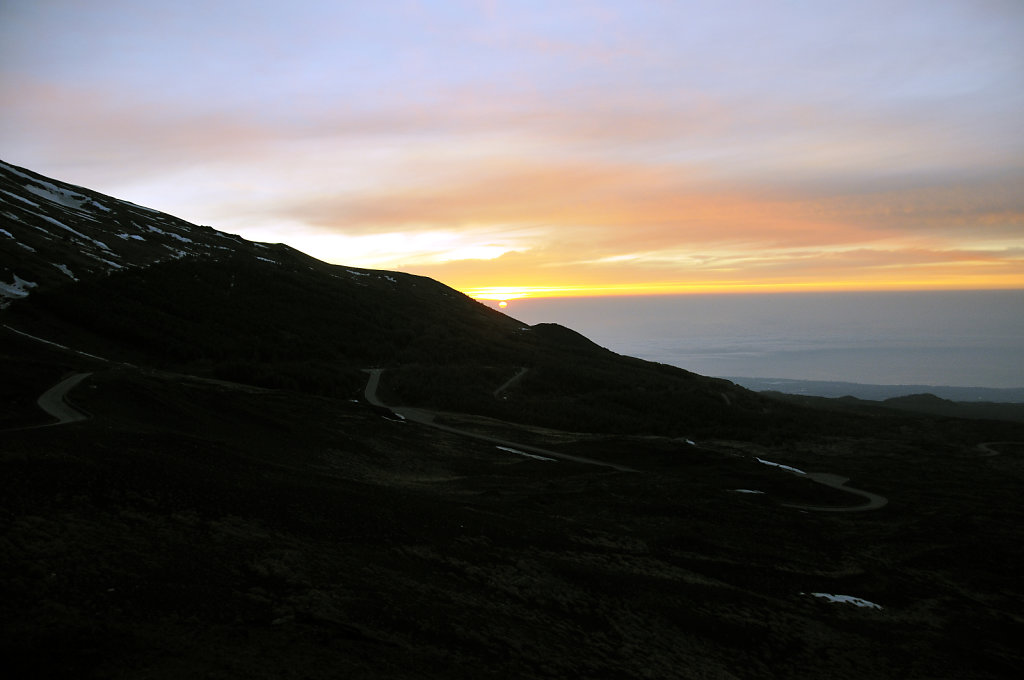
<point x="856" y="268"/>
<point x="626" y="144"/>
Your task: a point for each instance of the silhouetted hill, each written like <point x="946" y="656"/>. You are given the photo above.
<point x="922" y="404"/>
<point x="229" y="499"/>
<point x="836" y="389"/>
<point x="123" y="281"/>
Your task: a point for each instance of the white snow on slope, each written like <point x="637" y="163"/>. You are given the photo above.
<point x="54" y="193"/>
<point x="4" y="232"/>
<point x="64" y="269"/>
<point x="158" y="230"/>
<point x="747" y="491"/>
<point x="22" y="199"/>
<point x="779" y="465"/>
<point x="114" y="265"/>
<point x="125" y="235"/>
<point x="17" y="289"/>
<point x="847" y="599"/>
<point x="79" y="234"/>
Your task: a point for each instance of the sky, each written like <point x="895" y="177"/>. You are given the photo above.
<point x="524" y="149"/>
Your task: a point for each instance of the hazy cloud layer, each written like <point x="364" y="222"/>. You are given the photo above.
<point x="521" y="144"/>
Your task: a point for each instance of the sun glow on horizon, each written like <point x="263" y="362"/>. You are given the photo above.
<point x="506" y="294"/>
<point x="527" y="154"/>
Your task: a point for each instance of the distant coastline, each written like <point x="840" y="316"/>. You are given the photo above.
<point x="836" y="389"/>
<point x="897" y="341"/>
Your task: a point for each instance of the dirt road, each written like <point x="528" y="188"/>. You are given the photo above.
<point x="426" y="417"/>
<point x="874" y="501"/>
<point x="54" y="401"/>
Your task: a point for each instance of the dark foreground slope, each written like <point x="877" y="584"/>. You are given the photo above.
<point x="231" y="507"/>
<point x="198" y="528"/>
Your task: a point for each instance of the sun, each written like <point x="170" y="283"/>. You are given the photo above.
<point x="503" y="304"/>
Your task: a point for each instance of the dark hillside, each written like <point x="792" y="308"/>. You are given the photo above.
<point x="300" y="324"/>
<point x="195" y="528"/>
<point x="125" y="282"/>
<point x="199" y="478"/>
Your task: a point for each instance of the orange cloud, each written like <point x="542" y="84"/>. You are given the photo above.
<point x="611" y="192"/>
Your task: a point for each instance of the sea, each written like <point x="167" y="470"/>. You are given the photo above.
<point x="933" y="338"/>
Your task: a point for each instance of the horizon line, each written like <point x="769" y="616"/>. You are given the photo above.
<point x="509" y="293"/>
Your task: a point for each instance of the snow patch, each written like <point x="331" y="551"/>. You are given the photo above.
<point x="747" y="491"/>
<point x="10" y="169"/>
<point x="847" y="599"/>
<point x="779" y="465"/>
<point x="174" y="235"/>
<point x="355" y="273"/>
<point x="16" y="290"/>
<point x="125" y="235"/>
<point x="4" y="232"/>
<point x="52" y="192"/>
<point x="65" y="270"/>
<point x="79" y="234"/>
<point x="267" y="259"/>
<point x="115" y="265"/>
<point x="524" y="453"/>
<point x="22" y="199"/>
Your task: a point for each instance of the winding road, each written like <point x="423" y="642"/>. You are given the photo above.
<point x="988" y="451"/>
<point x="425" y="417"/>
<point x="510" y="382"/>
<point x="874" y="501"/>
<point x="54" y="400"/>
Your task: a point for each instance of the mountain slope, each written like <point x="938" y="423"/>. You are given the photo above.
<point x="199" y="524"/>
<point x="54" y="232"/>
<point x="123" y="281"/>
